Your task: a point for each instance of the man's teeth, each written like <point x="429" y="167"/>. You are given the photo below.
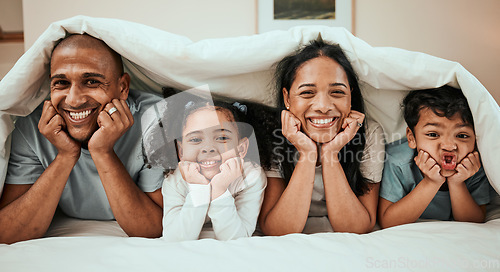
<point x="80" y="115"/>
<point x="321" y="121"/>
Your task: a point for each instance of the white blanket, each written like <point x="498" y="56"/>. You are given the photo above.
<point x="241" y="68"/>
<point x="430" y="246"/>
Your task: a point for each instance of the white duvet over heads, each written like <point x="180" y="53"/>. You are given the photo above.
<point x="241" y="67"/>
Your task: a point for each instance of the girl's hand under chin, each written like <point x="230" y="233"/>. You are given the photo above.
<point x="291" y="130"/>
<point x="191" y="173"/>
<point x="230" y="170"/>
<point x="350" y="127"/>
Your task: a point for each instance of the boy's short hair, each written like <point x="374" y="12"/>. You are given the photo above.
<point x="444" y="101"/>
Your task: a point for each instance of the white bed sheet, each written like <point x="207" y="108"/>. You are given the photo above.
<point x="241" y="67"/>
<point x="88" y="245"/>
<point x="429" y="246"/>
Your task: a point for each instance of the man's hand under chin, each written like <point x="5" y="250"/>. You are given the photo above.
<point x="52" y="127"/>
<point x="111" y="126"/>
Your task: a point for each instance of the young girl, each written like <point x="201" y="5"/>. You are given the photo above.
<point x="212" y="183"/>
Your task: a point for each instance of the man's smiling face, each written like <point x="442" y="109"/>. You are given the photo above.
<point x="83" y="80"/>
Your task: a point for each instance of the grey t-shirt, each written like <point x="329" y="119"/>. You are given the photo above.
<point x="83" y="196"/>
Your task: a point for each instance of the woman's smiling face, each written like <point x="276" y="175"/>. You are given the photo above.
<point x="320" y="97"/>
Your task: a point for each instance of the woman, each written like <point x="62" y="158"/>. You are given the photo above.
<point x="331" y="182"/>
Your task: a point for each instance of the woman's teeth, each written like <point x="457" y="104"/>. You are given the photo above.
<point x="321" y="121"/>
<point x="80" y="115"/>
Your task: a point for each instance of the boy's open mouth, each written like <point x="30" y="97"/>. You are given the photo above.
<point x="449" y="161"/>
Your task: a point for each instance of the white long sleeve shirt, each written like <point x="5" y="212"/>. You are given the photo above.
<point x="187" y="208"/>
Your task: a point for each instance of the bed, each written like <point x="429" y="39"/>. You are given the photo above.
<point x="241" y="68"/>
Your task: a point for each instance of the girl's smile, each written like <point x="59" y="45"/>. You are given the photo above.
<point x="209" y="138"/>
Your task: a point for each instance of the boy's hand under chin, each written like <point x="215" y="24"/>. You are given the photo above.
<point x="191" y="173"/>
<point x="429" y="167"/>
<point x="466" y="168"/>
<point x="230" y="170"/>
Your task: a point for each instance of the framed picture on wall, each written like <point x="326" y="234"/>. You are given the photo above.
<point x="283" y="14"/>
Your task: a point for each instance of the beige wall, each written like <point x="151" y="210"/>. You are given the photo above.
<point x="460" y="30"/>
<point x="196" y="19"/>
<point x="11" y="20"/>
<point x="9" y="53"/>
<point x="465" y="31"/>
<point x="11" y="15"/>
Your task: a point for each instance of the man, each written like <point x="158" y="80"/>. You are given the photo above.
<point x="86" y="155"/>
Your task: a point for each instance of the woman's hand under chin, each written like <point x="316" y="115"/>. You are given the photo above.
<point x="350" y="127"/>
<point x="291" y="130"/>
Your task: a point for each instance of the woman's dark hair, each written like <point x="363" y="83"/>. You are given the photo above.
<point x="444" y="101"/>
<point x="286" y="71"/>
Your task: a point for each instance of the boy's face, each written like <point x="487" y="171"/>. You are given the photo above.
<point x="447" y="141"/>
<point x="209" y="138"/>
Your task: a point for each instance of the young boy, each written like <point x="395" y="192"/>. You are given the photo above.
<point x="436" y="172"/>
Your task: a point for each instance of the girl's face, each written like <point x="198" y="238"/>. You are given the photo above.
<point x="209" y="138"/>
<point x="320" y="97"/>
